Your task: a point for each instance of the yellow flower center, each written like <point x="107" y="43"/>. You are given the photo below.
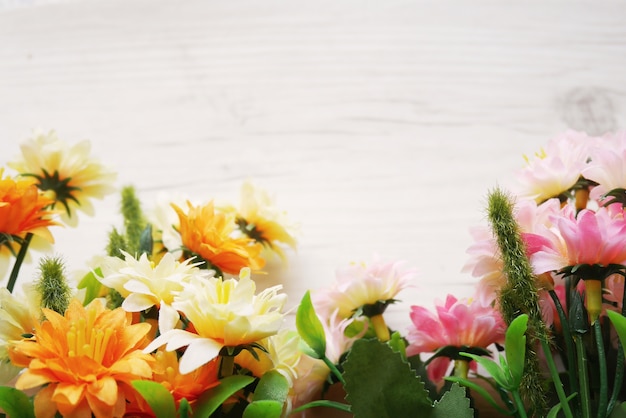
<point x="85" y="340"/>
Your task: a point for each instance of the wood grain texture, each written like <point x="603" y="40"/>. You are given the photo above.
<point x="379" y="126"/>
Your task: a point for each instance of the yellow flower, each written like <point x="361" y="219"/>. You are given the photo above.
<point x="87" y="360"/>
<point x="209" y="235"/>
<point x="67" y="174"/>
<point x="18" y="316"/>
<point x="261" y="220"/>
<point x="22" y="211"/>
<point x="224" y="313"/>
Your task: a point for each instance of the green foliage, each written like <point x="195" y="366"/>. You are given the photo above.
<point x="379" y="383"/>
<point x="15" y="403"/>
<point x="619" y="322"/>
<point x="454" y="403"/>
<point x="264" y="409"/>
<point x="211" y="400"/>
<point x="117" y="243"/>
<point x="269" y="397"/>
<point x="310" y="328"/>
<point x="91" y="284"/>
<point x="158" y="397"/>
<point x="52" y="286"/>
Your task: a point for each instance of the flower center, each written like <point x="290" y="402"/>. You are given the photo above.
<point x="85" y="340"/>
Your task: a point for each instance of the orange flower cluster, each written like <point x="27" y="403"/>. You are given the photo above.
<point x="23" y="208"/>
<point x="209" y="234"/>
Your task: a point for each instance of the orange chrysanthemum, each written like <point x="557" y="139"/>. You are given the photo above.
<point x="87" y="359"/>
<point x="189" y="386"/>
<point x="22" y="208"/>
<point x="210" y="235"/>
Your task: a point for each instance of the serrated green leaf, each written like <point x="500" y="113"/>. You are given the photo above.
<point x="480" y="390"/>
<point x="15" y="403"/>
<point x="515" y="348"/>
<point x="158" y="397"/>
<point x="272" y="386"/>
<point x="264" y="409"/>
<point x="310" y="327"/>
<point x="454" y="403"/>
<point x="210" y="400"/>
<point x="380" y="384"/>
<point x="92" y="286"/>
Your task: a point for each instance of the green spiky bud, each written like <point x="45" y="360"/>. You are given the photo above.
<point x="52" y="285"/>
<point x="519" y="295"/>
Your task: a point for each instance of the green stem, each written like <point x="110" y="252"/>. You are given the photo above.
<point x="334" y="370"/>
<point x="18" y="261"/>
<point x="227" y="365"/>
<point x="521" y="409"/>
<point x="619" y="371"/>
<point x="581" y="357"/>
<point x="569" y="344"/>
<point x="558" y="385"/>
<point x="603" y="398"/>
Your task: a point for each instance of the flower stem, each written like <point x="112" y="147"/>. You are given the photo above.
<point x="558" y="385"/>
<point x="593" y="290"/>
<point x="227" y="364"/>
<point x="382" y="332"/>
<point x="619" y="366"/>
<point x="602" y="399"/>
<point x="569" y="343"/>
<point x="18" y="261"/>
<point x="334" y="370"/>
<point x="581" y="358"/>
<point x="461" y="368"/>
<point x="521" y="409"/>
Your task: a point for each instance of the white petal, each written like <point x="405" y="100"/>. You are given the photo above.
<point x="168" y="318"/>
<point x="136" y="302"/>
<point x="199" y="352"/>
<point x="175" y="339"/>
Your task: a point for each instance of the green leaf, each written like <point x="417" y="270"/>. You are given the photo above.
<point x="397" y="344"/>
<point x="272" y="386"/>
<point x="323" y="403"/>
<point x="264" y="409"/>
<point x="158" y="397"/>
<point x="454" y="403"/>
<point x="15" y="403"/>
<point x="480" y="390"/>
<point x="619" y="322"/>
<point x="146" y="243"/>
<point x="554" y="411"/>
<point x="380" y="384"/>
<point x="92" y="286"/>
<point x="210" y="400"/>
<point x="502" y="378"/>
<point x="184" y="409"/>
<point x="515" y="348"/>
<point x="310" y="327"/>
<point x="619" y="411"/>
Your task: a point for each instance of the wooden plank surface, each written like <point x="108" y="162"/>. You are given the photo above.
<point x="379" y="126"/>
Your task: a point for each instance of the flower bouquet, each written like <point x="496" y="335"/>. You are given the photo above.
<point x="169" y="323"/>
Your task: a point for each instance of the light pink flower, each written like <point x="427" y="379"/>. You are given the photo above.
<point x="457" y="323"/>
<point x="556" y="168"/>
<point x="587" y="238"/>
<point x="362" y="284"/>
<point x="608" y="164"/>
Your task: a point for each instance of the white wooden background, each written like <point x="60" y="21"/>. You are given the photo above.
<point x="379" y="125"/>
